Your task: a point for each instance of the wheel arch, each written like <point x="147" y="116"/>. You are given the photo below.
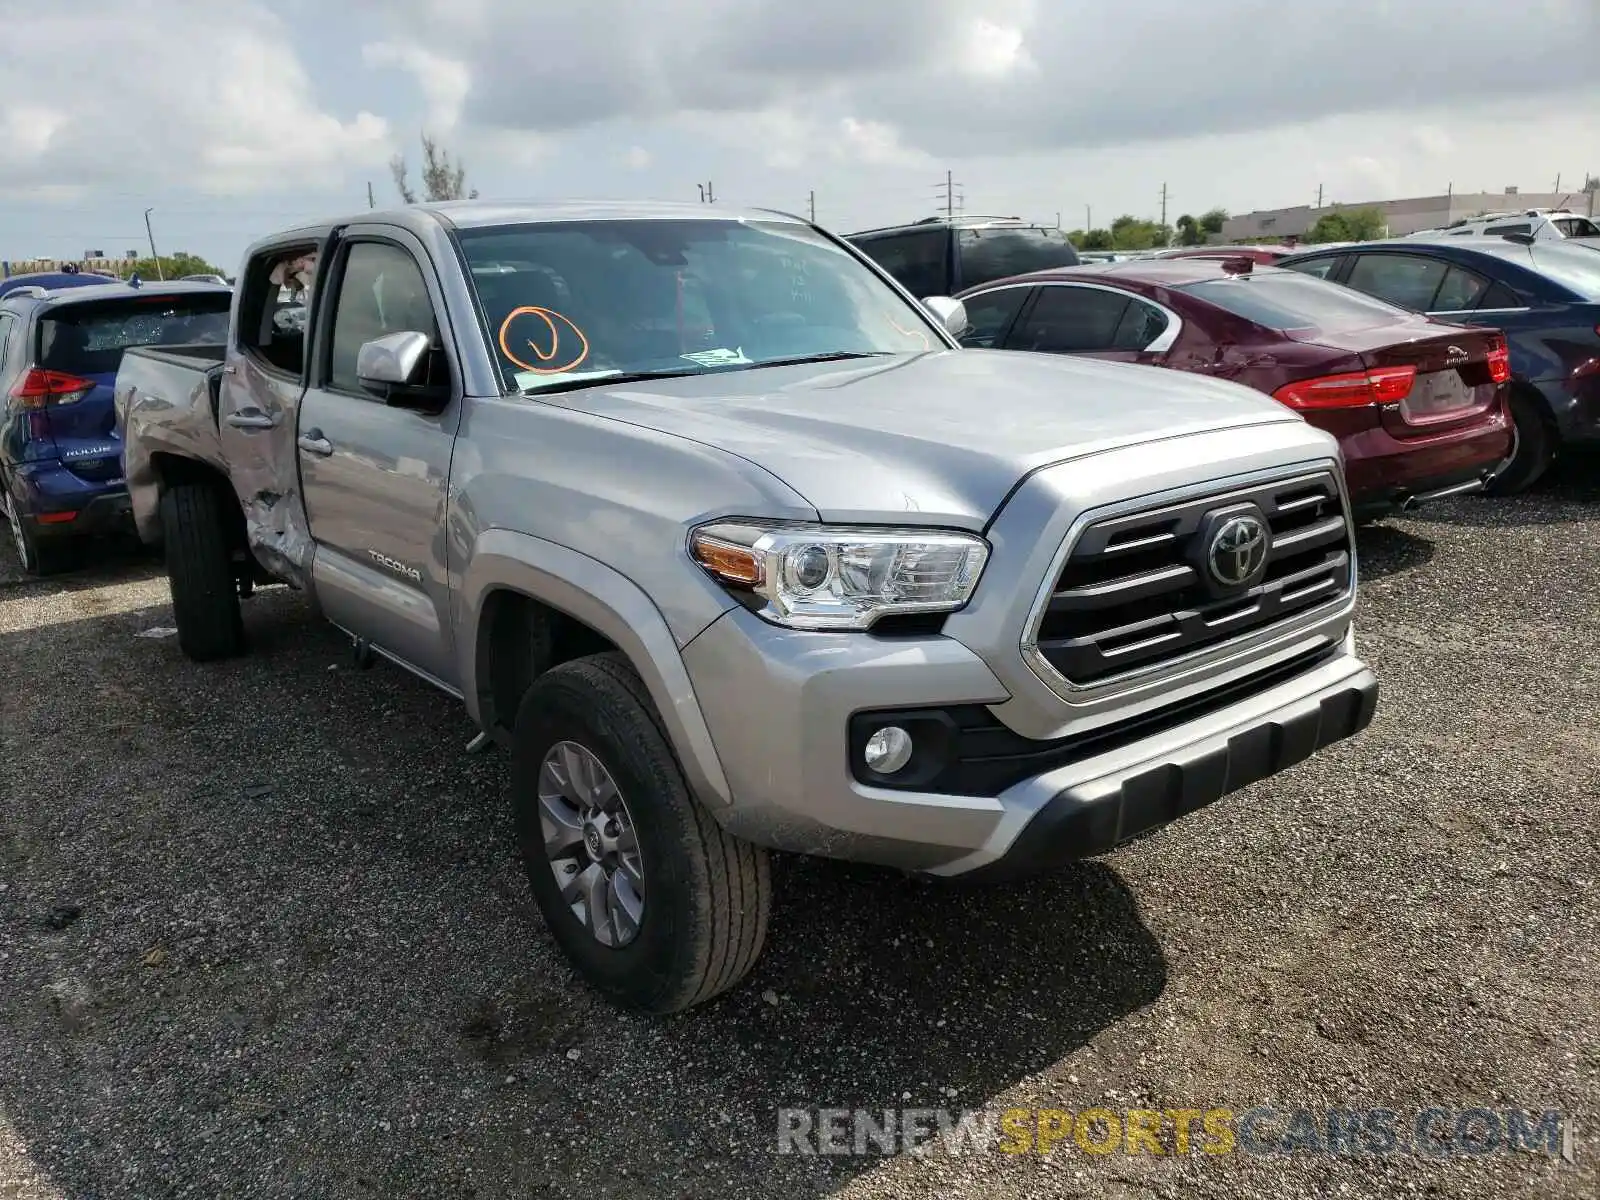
<point x="519" y="593"/>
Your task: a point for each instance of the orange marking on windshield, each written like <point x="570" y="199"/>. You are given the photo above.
<point x="549" y="316"/>
<point x="921" y="333"/>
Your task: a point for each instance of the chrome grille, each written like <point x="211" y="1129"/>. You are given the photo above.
<point x="1134" y="592"/>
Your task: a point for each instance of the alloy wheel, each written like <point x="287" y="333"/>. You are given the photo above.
<point x="590" y="841"/>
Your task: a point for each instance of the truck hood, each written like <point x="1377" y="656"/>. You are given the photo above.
<point x="934" y="438"/>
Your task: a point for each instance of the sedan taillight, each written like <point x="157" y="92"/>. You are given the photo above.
<point x="1357" y="389"/>
<point x="1499" y="358"/>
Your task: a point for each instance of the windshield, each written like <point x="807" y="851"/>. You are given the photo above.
<point x="88" y="339"/>
<point x="568" y="302"/>
<point x="1575" y="267"/>
<point x="1291" y="301"/>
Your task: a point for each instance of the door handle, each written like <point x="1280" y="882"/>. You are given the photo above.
<point x="312" y="442"/>
<point x="250" y="418"/>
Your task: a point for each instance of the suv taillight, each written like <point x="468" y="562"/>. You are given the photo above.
<point x="1381" y="385"/>
<point x="39" y="388"/>
<point x="1499" y="358"/>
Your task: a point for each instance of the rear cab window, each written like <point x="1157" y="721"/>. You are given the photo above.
<point x="987" y="254"/>
<point x="88" y="338"/>
<point x="1289" y="302"/>
<point x="275" y="305"/>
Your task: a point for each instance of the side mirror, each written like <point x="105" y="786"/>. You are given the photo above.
<point x="390" y="367"/>
<point x="952" y="314"/>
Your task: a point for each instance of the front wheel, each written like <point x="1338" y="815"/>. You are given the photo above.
<point x="205" y="595"/>
<point x="1533" y="446"/>
<point x="653" y="903"/>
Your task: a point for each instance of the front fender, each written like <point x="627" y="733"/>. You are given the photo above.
<point x="589" y="591"/>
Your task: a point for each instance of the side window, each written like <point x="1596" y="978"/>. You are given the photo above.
<point x="990" y="314"/>
<point x="1499" y="295"/>
<point x="1577" y="227"/>
<point x="6" y="325"/>
<point x="918" y="261"/>
<point x="381" y="292"/>
<point x="1497" y="230"/>
<point x="1070" y="320"/>
<point x="1406" y="280"/>
<point x="1460" y="291"/>
<point x="1141" y="324"/>
<point x="274" y="307"/>
<point x="1320" y="267"/>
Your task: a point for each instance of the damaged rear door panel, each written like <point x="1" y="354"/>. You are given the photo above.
<point x="267" y="368"/>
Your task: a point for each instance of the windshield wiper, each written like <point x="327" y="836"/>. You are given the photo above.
<point x="589" y="381"/>
<point x="830" y="356"/>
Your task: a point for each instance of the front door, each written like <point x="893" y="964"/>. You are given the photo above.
<point x="376" y="477"/>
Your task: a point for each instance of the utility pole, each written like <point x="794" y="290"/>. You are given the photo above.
<point x="1088" y="218"/>
<point x="160" y="275"/>
<point x="952" y="199"/>
<point x="1319" y="195"/>
<point x="707" y="195"/>
<point x="1163" y="206"/>
<point x="1058" y="218"/>
<point x="812" y="206"/>
<point x="371" y="201"/>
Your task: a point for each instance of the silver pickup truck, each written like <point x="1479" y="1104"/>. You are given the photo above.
<point x="718" y="531"/>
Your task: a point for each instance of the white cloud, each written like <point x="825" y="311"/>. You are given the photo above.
<point x="238" y="115"/>
<point x="637" y="158"/>
<point x="444" y="82"/>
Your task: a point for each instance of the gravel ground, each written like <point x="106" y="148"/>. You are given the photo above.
<point x="297" y="956"/>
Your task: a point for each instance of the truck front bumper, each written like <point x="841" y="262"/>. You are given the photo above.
<point x="779" y="706"/>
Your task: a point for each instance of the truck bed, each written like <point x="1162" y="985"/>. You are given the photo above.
<point x="166" y="402"/>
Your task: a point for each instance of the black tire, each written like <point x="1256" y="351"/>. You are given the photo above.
<point x="37" y="557"/>
<point x="707" y="895"/>
<point x="205" y="595"/>
<point x="1535" y="447"/>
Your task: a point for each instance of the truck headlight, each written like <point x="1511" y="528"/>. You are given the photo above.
<point x="841" y="577"/>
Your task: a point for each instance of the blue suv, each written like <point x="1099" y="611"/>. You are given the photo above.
<point x="60" y="452"/>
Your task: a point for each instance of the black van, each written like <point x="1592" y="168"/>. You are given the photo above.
<point x="942" y="255"/>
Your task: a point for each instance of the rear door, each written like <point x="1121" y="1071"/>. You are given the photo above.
<point x="259" y="403"/>
<point x="376" y="477"/>
<point x="78" y="347"/>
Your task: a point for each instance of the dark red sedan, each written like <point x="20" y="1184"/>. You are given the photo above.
<point x="1419" y="407"/>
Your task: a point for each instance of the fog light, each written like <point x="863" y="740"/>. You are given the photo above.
<point x="888" y="750"/>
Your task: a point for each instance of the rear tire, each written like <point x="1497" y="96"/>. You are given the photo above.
<point x="1532" y="451"/>
<point x="38" y="558"/>
<point x="205" y="596"/>
<point x="704" y="896"/>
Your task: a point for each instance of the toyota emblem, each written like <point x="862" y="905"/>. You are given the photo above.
<point x="1238" y="550"/>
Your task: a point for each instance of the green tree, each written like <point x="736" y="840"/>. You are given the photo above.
<point x="1189" y="231"/>
<point x="1094" y="239"/>
<point x="1211" y="220"/>
<point x="171" y="266"/>
<point x="442" y="179"/>
<point x="1131" y="233"/>
<point x="1348" y="225"/>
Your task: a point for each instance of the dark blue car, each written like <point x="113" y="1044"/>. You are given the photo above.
<point x="1544" y="294"/>
<point x="51" y="280"/>
<point x="60" y="452"/>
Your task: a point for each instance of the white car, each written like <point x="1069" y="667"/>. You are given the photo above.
<point x="1535" y="222"/>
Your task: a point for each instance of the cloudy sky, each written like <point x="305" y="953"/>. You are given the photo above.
<point x="232" y="117"/>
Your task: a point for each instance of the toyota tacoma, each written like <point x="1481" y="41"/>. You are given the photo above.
<point x="719" y="532"/>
